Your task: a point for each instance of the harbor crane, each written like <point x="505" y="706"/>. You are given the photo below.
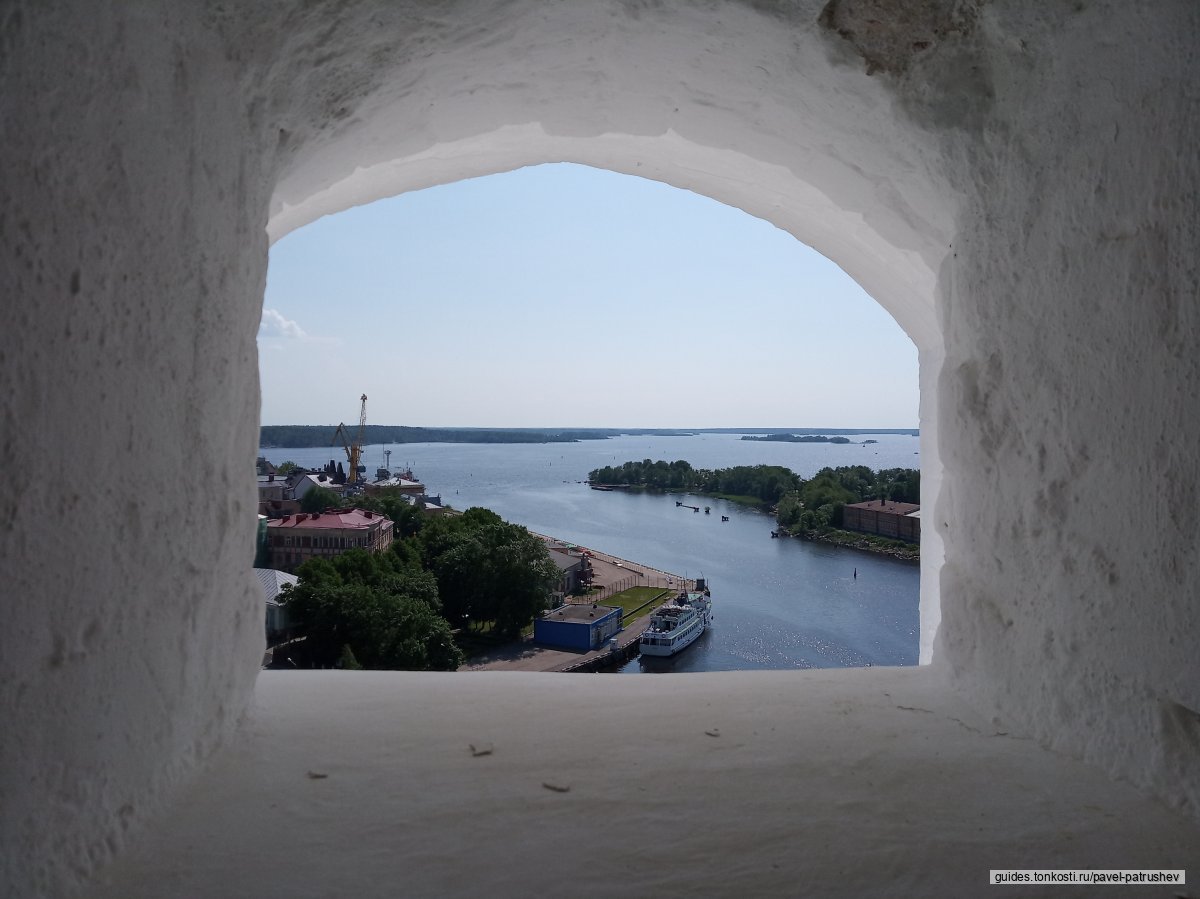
<point x="353" y="447"/>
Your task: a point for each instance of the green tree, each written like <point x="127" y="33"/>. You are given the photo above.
<point x="488" y="570"/>
<point x="391" y="503"/>
<point x="381" y="612"/>
<point x="286" y="468"/>
<point x="318" y="499"/>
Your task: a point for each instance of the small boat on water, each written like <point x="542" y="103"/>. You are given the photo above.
<point x="677" y="624"/>
<point x="724" y="517"/>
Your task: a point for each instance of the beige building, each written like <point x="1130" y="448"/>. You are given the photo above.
<point x="295" y="539"/>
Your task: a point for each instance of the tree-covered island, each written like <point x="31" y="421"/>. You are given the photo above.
<point x="810" y="508"/>
<point x="799" y="438"/>
<point x="286" y="436"/>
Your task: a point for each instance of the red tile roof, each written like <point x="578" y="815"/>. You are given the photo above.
<point x="334" y="518"/>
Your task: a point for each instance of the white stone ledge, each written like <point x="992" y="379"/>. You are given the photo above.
<point x="825" y="783"/>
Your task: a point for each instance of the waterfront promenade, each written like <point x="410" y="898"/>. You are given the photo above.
<point x="612" y="575"/>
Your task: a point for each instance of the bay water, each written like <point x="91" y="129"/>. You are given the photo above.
<point x="778" y="603"/>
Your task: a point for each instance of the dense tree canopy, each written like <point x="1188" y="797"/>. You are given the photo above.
<point x="488" y="570"/>
<point x="318" y="499"/>
<point x="399" y="609"/>
<point x="764" y="482"/>
<point x="665" y="475"/>
<point x="389" y="502"/>
<point x="818" y="502"/>
<point x="384" y="610"/>
<point x="802" y="504"/>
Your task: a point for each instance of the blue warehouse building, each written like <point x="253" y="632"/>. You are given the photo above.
<point x="577" y="626"/>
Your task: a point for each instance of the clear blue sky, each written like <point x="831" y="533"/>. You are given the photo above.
<point x="560" y="296"/>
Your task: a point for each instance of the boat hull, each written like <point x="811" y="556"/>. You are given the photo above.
<point x="680" y="643"/>
<point x="676" y="625"/>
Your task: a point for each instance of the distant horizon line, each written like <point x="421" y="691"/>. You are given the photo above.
<point x="621" y="430"/>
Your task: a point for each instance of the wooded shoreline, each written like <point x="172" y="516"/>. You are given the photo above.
<point x="809" y="508"/>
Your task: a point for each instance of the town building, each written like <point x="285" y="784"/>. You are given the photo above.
<point x="272" y="581"/>
<point x="294" y="539"/>
<point x="574" y="566"/>
<point x="900" y="521"/>
<point x="279" y="495"/>
<point x="570" y="570"/>
<point x="397" y="483"/>
<point x="579" y="626"/>
<point x="261" y="553"/>
<point x="272" y="487"/>
<point x="432" y="505"/>
<point x="303" y="481"/>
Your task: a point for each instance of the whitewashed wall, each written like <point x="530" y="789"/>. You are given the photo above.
<point x="132" y="256"/>
<point x="1021" y="181"/>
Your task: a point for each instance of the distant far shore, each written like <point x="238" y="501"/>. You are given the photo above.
<point x="296" y="436"/>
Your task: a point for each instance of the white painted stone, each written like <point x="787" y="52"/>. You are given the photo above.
<point x="1071" y="390"/>
<point x="1021" y="194"/>
<point x="872" y="782"/>
<point x="131" y="234"/>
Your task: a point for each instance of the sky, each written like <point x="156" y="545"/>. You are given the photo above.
<point x="566" y="296"/>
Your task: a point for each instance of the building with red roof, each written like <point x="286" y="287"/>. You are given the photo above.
<point x="294" y="539"/>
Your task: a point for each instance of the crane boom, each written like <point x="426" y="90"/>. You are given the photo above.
<point x="356" y="446"/>
<point x="340" y="436"/>
<point x="353" y="447"/>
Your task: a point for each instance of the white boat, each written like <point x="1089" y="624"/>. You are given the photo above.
<point x="676" y="624"/>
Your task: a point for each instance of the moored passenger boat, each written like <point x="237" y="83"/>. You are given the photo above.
<point x="677" y="624"/>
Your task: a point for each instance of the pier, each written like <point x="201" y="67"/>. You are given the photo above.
<point x="613" y="575"/>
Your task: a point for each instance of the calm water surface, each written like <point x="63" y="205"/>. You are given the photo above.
<point x="777" y="603"/>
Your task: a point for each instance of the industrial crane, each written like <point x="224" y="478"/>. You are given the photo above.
<point x="353" y="447"/>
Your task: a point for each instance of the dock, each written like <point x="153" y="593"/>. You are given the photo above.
<point x="525" y="655"/>
<point x="612" y="574"/>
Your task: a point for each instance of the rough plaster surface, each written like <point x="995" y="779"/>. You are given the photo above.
<point x="814" y="783"/>
<point x="131" y="234"/>
<point x="1071" y="311"/>
<point x="1020" y="192"/>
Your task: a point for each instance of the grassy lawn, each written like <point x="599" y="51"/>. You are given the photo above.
<point x="633" y="600"/>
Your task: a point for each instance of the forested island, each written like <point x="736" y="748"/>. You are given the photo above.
<point x="800" y="438"/>
<point x="804" y="507"/>
<point x="288" y="436"/>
